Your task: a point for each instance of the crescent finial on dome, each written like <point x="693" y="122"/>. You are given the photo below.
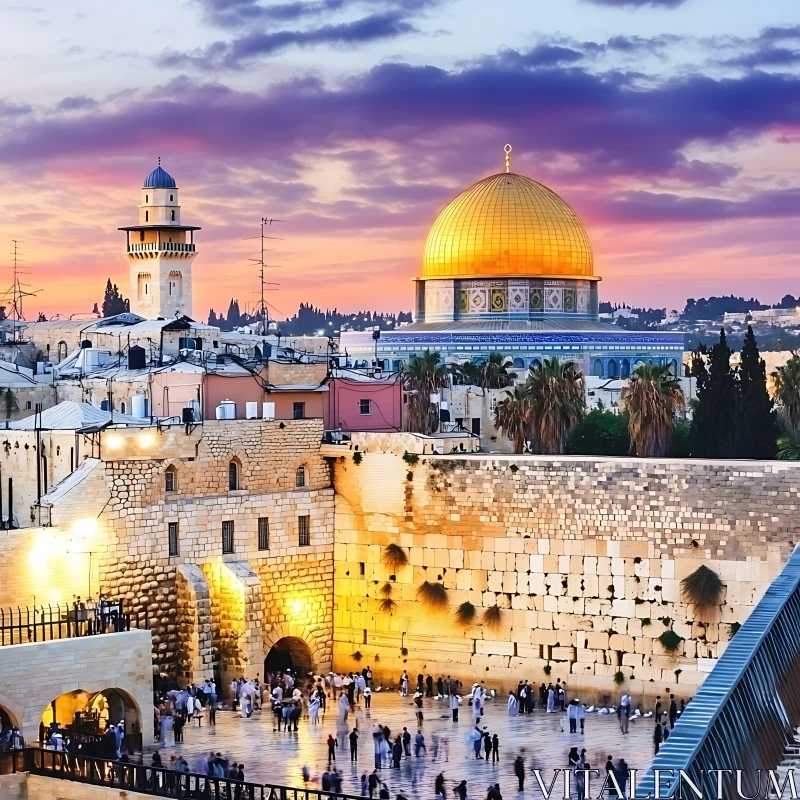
<point x="507" y="150"/>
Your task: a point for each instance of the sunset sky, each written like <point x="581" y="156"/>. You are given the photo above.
<point x="671" y="126"/>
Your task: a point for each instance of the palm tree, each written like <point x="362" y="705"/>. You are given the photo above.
<point x="423" y="376"/>
<point x="787" y="393"/>
<point x="557" y="391"/>
<point x="495" y="372"/>
<point x="652" y="398"/>
<point x="513" y="416"/>
<point x="468" y="373"/>
<point x="789" y="445"/>
<point x="11" y="403"/>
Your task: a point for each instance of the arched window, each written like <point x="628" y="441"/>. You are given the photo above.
<point x="147" y="216"/>
<point x="625" y="368"/>
<point x="143" y="285"/>
<point x="612" y="368"/>
<point x="300" y="477"/>
<point x="62" y="351"/>
<point x="141" y="236"/>
<point x="122" y="407"/>
<point x="173" y="216"/>
<point x="519" y="363"/>
<point x="171" y="480"/>
<point x="233" y="475"/>
<point x="597" y="371"/>
<point x="673" y="367"/>
<point x="147" y="198"/>
<point x="536" y="364"/>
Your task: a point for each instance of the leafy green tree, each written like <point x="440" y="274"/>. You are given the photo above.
<point x="558" y="399"/>
<point x="715" y="410"/>
<point x="468" y="373"/>
<point x="653" y="399"/>
<point x="600" y="433"/>
<point x="423" y="376"/>
<point x="756" y="428"/>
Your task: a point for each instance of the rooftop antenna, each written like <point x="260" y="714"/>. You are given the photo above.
<point x="18" y="291"/>
<point x="263" y="306"/>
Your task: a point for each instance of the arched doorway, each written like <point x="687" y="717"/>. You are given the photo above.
<point x="7" y="720"/>
<point x="289" y="653"/>
<point x="85" y="715"/>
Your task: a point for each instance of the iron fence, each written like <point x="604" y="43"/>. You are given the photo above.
<point x="746" y="711"/>
<point x="154" y="781"/>
<point x="42" y="623"/>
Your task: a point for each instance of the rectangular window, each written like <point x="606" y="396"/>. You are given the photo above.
<point x="28" y="405"/>
<point x="263" y="533"/>
<point x="366" y="407"/>
<point x="227" y="536"/>
<point x="298" y="410"/>
<point x="303" y="538"/>
<point x="173" y="538"/>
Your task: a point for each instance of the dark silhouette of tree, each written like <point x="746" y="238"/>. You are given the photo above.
<point x="756" y="426"/>
<point x="113" y="302"/>
<point x="212" y="318"/>
<point x="713" y="423"/>
<point x="41" y="317"/>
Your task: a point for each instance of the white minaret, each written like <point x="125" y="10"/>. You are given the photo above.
<point x="160" y="251"/>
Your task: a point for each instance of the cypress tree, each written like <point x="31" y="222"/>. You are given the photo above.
<point x="756" y="427"/>
<point x="714" y="419"/>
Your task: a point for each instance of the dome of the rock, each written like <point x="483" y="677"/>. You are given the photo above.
<point x="507" y="225"/>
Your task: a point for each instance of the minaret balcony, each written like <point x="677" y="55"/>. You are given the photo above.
<point x="152" y="249"/>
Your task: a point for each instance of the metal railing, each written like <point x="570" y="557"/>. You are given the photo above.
<point x="154" y="781"/>
<point x="44" y="623"/>
<point x="158" y="247"/>
<point x="745" y="713"/>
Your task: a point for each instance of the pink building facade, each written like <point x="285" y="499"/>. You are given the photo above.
<point x="363" y="405"/>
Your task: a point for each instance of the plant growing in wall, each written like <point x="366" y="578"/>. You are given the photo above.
<point x="394" y="557"/>
<point x="409" y="476"/>
<point x="357" y="457"/>
<point x="645" y="621"/>
<point x="403" y="651"/>
<point x="386" y="604"/>
<point x="465" y="614"/>
<point x="432" y="595"/>
<point x="492" y="617"/>
<point x="547" y="669"/>
<point x="734" y="628"/>
<point x="619" y="678"/>
<point x="412" y="459"/>
<point x="670" y="641"/>
<point x="357" y="655"/>
<point x="377" y="657"/>
<point x="703" y="588"/>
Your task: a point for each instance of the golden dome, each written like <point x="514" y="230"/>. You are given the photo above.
<point x="507" y="226"/>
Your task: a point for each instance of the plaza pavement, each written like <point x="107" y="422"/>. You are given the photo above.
<point x="278" y="758"/>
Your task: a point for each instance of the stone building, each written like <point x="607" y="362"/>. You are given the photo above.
<point x="221" y="532"/>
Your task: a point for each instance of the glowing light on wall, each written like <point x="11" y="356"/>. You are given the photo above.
<point x="114" y="441"/>
<point x="297" y="606"/>
<point x="146" y="440"/>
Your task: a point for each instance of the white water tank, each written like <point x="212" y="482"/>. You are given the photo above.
<point x="226" y="410"/>
<point x="269" y="411"/>
<point x="251" y="410"/>
<point x="140" y="406"/>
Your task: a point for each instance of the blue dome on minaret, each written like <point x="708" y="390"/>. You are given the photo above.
<point x="159" y="179"/>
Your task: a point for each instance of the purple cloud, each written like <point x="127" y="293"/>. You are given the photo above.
<point x="638" y="3"/>
<point x="437" y="122"/>
<point x="234" y="55"/>
<point x="652" y="207"/>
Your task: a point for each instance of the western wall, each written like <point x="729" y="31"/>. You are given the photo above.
<point x="584" y="557"/>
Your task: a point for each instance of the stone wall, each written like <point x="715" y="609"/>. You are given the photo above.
<point x="36" y="674"/>
<point x="583" y="556"/>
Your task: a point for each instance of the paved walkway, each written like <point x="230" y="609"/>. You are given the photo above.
<point x="272" y="757"/>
